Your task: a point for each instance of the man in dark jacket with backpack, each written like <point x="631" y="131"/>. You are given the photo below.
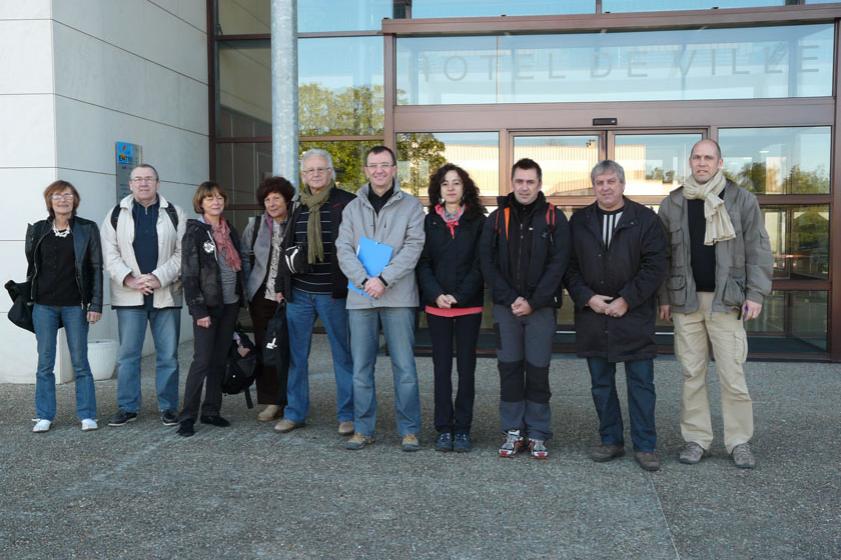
<point x="524" y="251"/>
<point x="617" y="264"/>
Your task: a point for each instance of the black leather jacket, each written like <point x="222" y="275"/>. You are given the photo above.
<point x="200" y="270"/>
<point x="88" y="257"/>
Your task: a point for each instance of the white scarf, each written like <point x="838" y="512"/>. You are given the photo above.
<point x="719" y="227"/>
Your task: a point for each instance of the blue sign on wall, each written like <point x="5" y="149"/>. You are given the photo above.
<point x="128" y="156"/>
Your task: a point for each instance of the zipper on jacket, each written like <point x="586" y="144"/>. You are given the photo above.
<point x="35" y="265"/>
<point x="519" y="268"/>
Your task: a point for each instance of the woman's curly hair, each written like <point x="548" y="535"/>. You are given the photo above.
<point x="470" y="195"/>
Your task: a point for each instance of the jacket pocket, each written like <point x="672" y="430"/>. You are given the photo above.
<point x="676" y="286"/>
<point x="676" y="246"/>
<point x="733" y="294"/>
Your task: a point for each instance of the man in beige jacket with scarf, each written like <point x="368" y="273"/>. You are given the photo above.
<point x="720" y="266"/>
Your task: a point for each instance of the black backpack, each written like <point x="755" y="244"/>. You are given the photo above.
<point x="240" y="371"/>
<point x="170" y="210"/>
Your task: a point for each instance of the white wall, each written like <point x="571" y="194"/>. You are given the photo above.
<point x="75" y="77"/>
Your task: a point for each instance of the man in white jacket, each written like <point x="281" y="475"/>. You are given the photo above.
<point x="141" y="247"/>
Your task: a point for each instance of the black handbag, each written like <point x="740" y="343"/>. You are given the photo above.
<point x="240" y="371"/>
<point x="21" y="311"/>
<point x="275" y="350"/>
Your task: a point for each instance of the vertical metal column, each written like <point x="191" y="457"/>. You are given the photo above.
<point x="285" y="89"/>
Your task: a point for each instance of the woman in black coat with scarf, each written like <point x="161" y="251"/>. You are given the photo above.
<point x="211" y="271"/>
<point x="452" y="290"/>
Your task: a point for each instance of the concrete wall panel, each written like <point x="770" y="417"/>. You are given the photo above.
<point x="98" y="73"/>
<point x="27" y="123"/>
<point x="30" y="9"/>
<point x="26" y="60"/>
<point x="142" y="28"/>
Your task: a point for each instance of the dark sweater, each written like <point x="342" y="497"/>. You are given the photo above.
<point x="703" y="256"/>
<point x="57" y="283"/>
<point x="145" y="242"/>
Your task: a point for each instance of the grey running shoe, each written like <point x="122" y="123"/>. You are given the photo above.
<point x="513" y="444"/>
<point x="743" y="456"/>
<point x="692" y="453"/>
<point x="537" y="448"/>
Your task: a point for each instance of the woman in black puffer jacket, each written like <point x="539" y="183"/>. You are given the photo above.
<point x="452" y="290"/>
<point x="211" y="271"/>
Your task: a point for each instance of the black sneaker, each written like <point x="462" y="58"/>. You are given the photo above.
<point x="215" y="420"/>
<point x="121" y="418"/>
<point x="169" y="418"/>
<point x="462" y="443"/>
<point x="444" y="442"/>
<point x="185" y="429"/>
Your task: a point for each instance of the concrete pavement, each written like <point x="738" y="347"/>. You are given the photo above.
<point x="246" y="492"/>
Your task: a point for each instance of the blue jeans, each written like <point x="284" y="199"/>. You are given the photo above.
<point x="641" y="401"/>
<point x="398" y="325"/>
<point x="301" y="311"/>
<point x="166" y="329"/>
<point x="46" y="319"/>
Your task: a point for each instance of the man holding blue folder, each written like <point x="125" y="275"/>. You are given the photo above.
<point x="380" y="241"/>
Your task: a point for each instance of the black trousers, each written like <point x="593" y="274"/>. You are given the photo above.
<point x="210" y="350"/>
<point x="442" y="331"/>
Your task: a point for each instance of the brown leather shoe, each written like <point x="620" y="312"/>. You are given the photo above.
<point x="603" y="452"/>
<point x="648" y="460"/>
<point x="345" y="428"/>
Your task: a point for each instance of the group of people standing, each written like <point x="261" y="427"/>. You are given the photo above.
<point x="704" y="263"/>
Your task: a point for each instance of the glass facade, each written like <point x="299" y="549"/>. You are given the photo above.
<point x="340" y="95"/>
<point x="655" y="164"/>
<point x="350" y="63"/>
<point x="617" y="6"/>
<point x="244" y="92"/>
<point x="799" y="240"/>
<point x="471" y="8"/>
<point x="419" y="155"/>
<point x="778" y="160"/>
<point x="566" y="161"/>
<point x="744" y="63"/>
<point x="340" y="15"/>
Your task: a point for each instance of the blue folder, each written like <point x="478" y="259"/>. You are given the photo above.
<point x="374" y="256"/>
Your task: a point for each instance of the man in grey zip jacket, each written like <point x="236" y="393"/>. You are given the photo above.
<point x="720" y="265"/>
<point x="385" y="214"/>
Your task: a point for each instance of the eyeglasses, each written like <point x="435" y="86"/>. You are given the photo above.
<point x="316" y="170"/>
<point x="380" y="166"/>
<point x="144" y="179"/>
<point x="62" y="196"/>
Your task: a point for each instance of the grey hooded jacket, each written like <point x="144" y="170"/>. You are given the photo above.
<point x="399" y="224"/>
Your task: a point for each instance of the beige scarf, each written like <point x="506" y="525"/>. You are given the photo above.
<point x="719" y="226"/>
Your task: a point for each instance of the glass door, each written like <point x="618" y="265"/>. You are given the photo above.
<point x="654" y="163"/>
<point x="566" y="159"/>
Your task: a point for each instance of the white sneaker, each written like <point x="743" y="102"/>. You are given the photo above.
<point x="89" y="424"/>
<point x="41" y="426"/>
